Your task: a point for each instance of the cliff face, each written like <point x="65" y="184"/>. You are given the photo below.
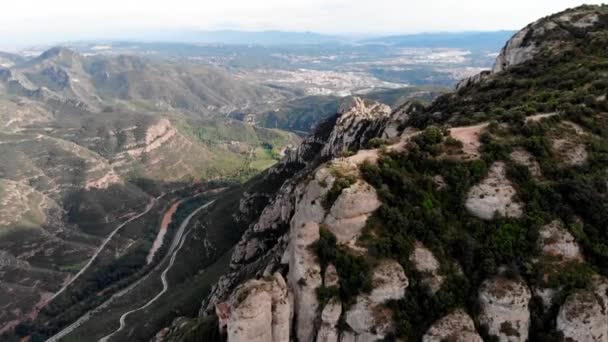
<point x="361" y="244"/>
<point x="559" y="31"/>
<point x="282" y="234"/>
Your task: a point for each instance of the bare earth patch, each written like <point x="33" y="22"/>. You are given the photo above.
<point x="538" y="117"/>
<point x="469" y="136"/>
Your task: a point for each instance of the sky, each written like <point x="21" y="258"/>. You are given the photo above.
<point x="31" y="21"/>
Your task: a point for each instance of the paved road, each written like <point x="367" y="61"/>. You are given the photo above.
<point x="103" y="245"/>
<point x="178" y="242"/>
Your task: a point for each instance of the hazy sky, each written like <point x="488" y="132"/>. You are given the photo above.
<point x="26" y="20"/>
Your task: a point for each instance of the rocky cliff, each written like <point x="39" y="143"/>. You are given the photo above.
<point x="404" y="224"/>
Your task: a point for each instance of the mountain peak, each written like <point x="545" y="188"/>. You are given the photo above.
<point x="60" y="55"/>
<point x="553" y="34"/>
<point x="57" y="51"/>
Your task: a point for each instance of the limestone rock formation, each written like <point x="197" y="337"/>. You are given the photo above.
<point x="557" y="31"/>
<point x="304" y="270"/>
<point x="369" y="319"/>
<point x="525" y="158"/>
<point x="455" y="327"/>
<point x="529" y="41"/>
<point x="516" y="51"/>
<point x="351" y="210"/>
<point x="495" y="194"/>
<point x="504" y="308"/>
<point x="357" y="118"/>
<point x="569" y="152"/>
<point x="328" y="332"/>
<point x="557" y="242"/>
<point x="425" y="262"/>
<point x="260" y="311"/>
<point x="582" y="318"/>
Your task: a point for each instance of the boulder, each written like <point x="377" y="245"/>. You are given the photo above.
<point x="259" y="311"/>
<point x="583" y="318"/>
<point x="330" y="315"/>
<point x="525" y="158"/>
<point x="504" y="308"/>
<point x="569" y="152"/>
<point x="455" y="327"/>
<point x="495" y="194"/>
<point x="331" y="278"/>
<point x="557" y="242"/>
<point x="369" y="319"/>
<point x="425" y="262"/>
<point x="351" y="210"/>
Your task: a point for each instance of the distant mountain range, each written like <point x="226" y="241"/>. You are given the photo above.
<point x="472" y="39"/>
<point x="492" y="40"/>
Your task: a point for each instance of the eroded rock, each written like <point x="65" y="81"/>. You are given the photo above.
<point x="260" y="311"/>
<point x="369" y="319"/>
<point x="557" y="242"/>
<point x="455" y="327"/>
<point x="504" y="308"/>
<point x="304" y="270"/>
<point x="525" y="158"/>
<point x="328" y="332"/>
<point x="495" y="194"/>
<point x="582" y="318"/>
<point x="425" y="262"/>
<point x="351" y="210"/>
<point x="570" y="152"/>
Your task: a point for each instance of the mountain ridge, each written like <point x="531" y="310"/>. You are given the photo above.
<point x="466" y="223"/>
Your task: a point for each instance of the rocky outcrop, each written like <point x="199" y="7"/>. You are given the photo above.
<point x="518" y="49"/>
<point x="569" y="152"/>
<point x="547" y="32"/>
<point x="425" y="262"/>
<point x="525" y="158"/>
<point x="504" y="308"/>
<point x="557" y="32"/>
<point x="351" y="210"/>
<point x="264" y="245"/>
<point x="558" y="243"/>
<point x="582" y="318"/>
<point x="473" y="80"/>
<point x="156" y="135"/>
<point x="260" y="311"/>
<point x="304" y="270"/>
<point x="358" y="121"/>
<point x="369" y="319"/>
<point x="328" y="332"/>
<point x="455" y="327"/>
<point x="495" y="194"/>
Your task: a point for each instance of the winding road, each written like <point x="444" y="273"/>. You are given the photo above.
<point x="103" y="245"/>
<point x="178" y="242"/>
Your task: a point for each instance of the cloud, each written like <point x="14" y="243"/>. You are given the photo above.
<point x="82" y="19"/>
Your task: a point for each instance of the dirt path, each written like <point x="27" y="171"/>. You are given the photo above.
<point x="538" y="117"/>
<point x="469" y="136"/>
